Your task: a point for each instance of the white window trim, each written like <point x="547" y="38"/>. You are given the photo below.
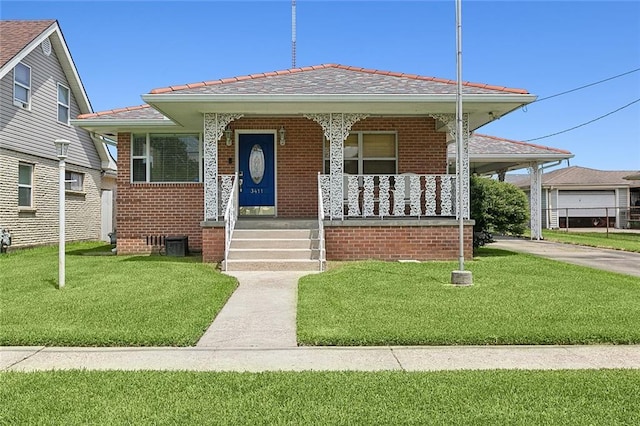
<point x="360" y="158"/>
<point x="58" y="103"/>
<point x="147" y="156"/>
<point x="30" y="186"/>
<point x="18" y="102"/>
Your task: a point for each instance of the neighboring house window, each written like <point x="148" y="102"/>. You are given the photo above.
<point x="25" y="185"/>
<point x="63" y="104"/>
<point x="22" y="86"/>
<point x="165" y="158"/>
<point x="373" y="153"/>
<point x="74" y="181"/>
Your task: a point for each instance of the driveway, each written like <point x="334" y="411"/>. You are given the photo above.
<point x="609" y="260"/>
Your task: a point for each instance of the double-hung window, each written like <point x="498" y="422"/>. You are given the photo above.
<point x="63" y="104"/>
<point x="165" y="158"/>
<point x="367" y="153"/>
<point x="74" y="181"/>
<point x="22" y="86"/>
<point x="25" y="185"/>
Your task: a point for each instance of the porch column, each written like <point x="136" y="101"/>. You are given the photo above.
<point x="336" y="128"/>
<point x="449" y="120"/>
<point x="214" y="125"/>
<point x="535" y="194"/>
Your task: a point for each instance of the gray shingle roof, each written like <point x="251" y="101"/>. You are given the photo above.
<point x="333" y="79"/>
<point x="142" y="112"/>
<point x="487" y="145"/>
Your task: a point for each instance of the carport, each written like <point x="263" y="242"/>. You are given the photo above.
<point x="490" y="155"/>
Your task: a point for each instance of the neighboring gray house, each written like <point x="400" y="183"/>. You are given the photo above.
<point x="587" y="197"/>
<point x="40" y="91"/>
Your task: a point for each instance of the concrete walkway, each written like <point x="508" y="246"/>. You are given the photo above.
<point x="609" y="260"/>
<point x="261" y="313"/>
<point x="422" y="358"/>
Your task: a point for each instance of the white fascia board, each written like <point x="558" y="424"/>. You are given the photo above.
<point x="330" y="98"/>
<point x="516" y="157"/>
<point x="89" y="123"/>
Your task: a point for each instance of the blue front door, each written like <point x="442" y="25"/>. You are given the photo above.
<point x="256" y="172"/>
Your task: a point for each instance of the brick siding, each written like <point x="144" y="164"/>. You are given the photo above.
<point x="396" y="242"/>
<point x="39" y="224"/>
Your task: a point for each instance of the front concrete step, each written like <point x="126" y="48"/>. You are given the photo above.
<point x="270" y="254"/>
<point x="257" y="223"/>
<point x="272" y="265"/>
<point x="271" y="234"/>
<point x="261" y="243"/>
<point x="275" y="246"/>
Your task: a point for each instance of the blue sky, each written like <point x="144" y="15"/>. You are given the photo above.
<point x="123" y="49"/>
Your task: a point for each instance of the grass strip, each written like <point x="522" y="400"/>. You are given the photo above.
<point x="626" y="241"/>
<point x="516" y="299"/>
<point x="107" y="300"/>
<point x="465" y="397"/>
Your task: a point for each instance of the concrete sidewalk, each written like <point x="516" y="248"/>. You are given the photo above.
<point x="623" y="262"/>
<point x="433" y="358"/>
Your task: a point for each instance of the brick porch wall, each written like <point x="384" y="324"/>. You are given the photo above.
<point x="212" y="244"/>
<point x="396" y="242"/>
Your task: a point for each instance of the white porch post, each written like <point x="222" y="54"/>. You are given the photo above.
<point x="465" y="172"/>
<point x="535" y="186"/>
<point x="336" y="128"/>
<point x="214" y="125"/>
<point x="462" y="174"/>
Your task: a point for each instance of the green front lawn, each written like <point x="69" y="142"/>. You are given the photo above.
<point x="587" y="397"/>
<point x="626" y="241"/>
<point x="107" y="300"/>
<point x="515" y="299"/>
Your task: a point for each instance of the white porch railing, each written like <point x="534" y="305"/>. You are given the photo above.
<point x="390" y="196"/>
<point x="321" y="252"/>
<point x="229" y="189"/>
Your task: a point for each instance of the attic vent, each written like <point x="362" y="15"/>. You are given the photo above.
<point x="46" y="47"/>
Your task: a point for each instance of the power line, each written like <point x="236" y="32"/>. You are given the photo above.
<point x="585" y="86"/>
<point x="584" y="124"/>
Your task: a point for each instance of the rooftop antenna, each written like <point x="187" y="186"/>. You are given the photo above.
<point x="293" y="33"/>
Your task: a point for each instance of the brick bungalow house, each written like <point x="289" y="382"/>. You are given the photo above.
<point x="360" y="152"/>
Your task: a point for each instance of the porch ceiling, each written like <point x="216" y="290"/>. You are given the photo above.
<point x="186" y="110"/>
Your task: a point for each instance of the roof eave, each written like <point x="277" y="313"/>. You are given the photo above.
<point x="337" y="98"/>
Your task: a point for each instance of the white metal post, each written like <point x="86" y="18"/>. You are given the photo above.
<point x="61" y="220"/>
<point x="460" y="277"/>
<point x="62" y="147"/>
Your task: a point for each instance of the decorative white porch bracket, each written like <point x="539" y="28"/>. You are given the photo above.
<point x="449" y="120"/>
<point x="214" y="125"/>
<point x="336" y="128"/>
<point x="535" y="193"/>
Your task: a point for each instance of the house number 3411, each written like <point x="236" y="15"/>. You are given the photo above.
<point x="257" y="191"/>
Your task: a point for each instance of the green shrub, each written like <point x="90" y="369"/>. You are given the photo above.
<point x="497" y="207"/>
